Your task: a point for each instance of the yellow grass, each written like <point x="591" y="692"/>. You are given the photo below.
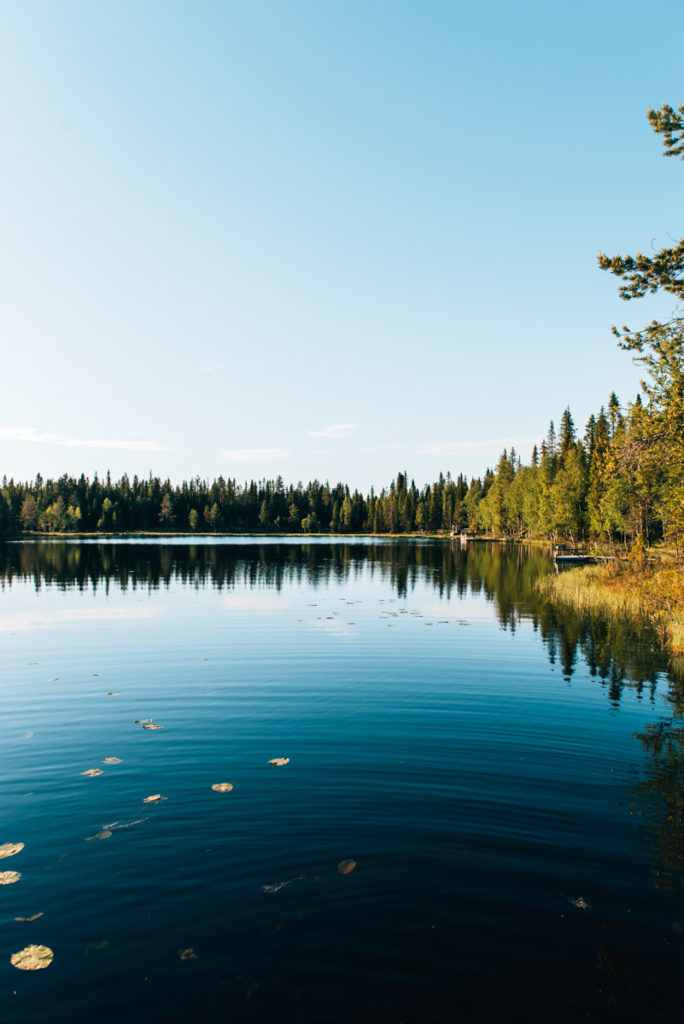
<point x="650" y="594"/>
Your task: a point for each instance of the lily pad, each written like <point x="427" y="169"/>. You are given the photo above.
<point x="153" y="799"/>
<point x="345" y="867"/>
<point x="9" y="849"/>
<point x="29" y="920"/>
<point x="9" y="877"/>
<point x="33" y="958"/>
<point x="112" y="760"/>
<point x="280" y="760"/>
<point x="92" y="772"/>
<point x="222" y="787"/>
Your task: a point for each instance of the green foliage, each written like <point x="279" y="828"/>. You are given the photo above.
<point x="671" y="125"/>
<point x="664" y="270"/>
<point x="652" y="453"/>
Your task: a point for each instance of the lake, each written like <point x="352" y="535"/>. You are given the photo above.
<point x="480" y="817"/>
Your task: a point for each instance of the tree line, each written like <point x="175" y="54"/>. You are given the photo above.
<point x="83" y="505"/>
<point x="609" y="484"/>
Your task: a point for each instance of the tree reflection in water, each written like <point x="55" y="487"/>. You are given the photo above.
<point x="617" y="654"/>
<point x="658" y="797"/>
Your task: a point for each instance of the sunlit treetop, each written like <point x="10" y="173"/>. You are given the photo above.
<point x="671" y="125"/>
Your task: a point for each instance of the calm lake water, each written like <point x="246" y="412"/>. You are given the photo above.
<point x="480" y="820"/>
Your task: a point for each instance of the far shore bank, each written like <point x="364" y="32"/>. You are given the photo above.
<point x="71" y="535"/>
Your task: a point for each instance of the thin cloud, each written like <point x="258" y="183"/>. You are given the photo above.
<point x="475" y="448"/>
<point x="34" y="436"/>
<point x="336" y="430"/>
<point x="213" y="367"/>
<point x="255" y="454"/>
<point x="388" y="448"/>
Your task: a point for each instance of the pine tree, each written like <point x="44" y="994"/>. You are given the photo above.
<point x="664" y="271"/>
<point x="660" y="348"/>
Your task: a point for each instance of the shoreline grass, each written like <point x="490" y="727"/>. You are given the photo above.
<point x="651" y="594"/>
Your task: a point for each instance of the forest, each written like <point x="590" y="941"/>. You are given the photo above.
<point x="608" y="484"/>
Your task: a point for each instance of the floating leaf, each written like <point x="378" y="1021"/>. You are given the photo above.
<point x="9" y="877"/>
<point x="103" y="834"/>
<point x="280" y="760"/>
<point x="345" y="867"/>
<point x="29" y="920"/>
<point x="188" y="954"/>
<point x="9" y="849"/>
<point x="153" y="799"/>
<point x="222" y="787"/>
<point x="33" y="958"/>
<point x="92" y="772"/>
<point x="152" y="725"/>
<point x="112" y="760"/>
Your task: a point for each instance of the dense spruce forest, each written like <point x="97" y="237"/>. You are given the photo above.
<point x="607" y="484"/>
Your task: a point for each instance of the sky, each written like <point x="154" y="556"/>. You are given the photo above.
<point x="331" y="240"/>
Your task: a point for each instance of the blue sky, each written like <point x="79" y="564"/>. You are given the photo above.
<point x="329" y="239"/>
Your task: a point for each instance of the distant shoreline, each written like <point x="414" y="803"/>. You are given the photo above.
<point x="70" y="535"/>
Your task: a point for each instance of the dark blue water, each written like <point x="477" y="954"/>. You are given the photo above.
<point x="506" y="781"/>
